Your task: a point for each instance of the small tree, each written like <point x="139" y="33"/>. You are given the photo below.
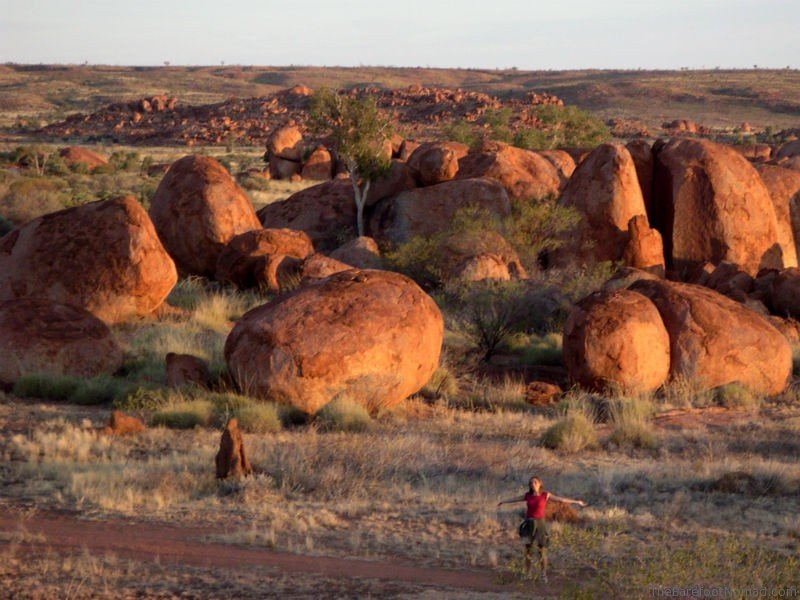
<point x="357" y="131"/>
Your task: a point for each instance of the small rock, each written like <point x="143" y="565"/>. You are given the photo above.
<point x="185" y="369"/>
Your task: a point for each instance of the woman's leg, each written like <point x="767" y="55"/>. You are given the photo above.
<point x="543" y="562"/>
<point x="528" y="549"/>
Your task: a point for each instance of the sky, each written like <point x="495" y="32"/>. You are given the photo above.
<point x="571" y="34"/>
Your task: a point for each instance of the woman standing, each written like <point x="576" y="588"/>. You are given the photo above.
<point x="534" y="527"/>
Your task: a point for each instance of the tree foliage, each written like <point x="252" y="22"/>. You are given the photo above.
<point x="357" y="131"/>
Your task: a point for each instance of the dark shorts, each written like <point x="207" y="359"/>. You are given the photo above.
<point x="534" y="531"/>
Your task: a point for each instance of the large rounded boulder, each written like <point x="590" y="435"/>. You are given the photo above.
<point x="525" y="175"/>
<point x="372" y="336"/>
<point x="322" y="211"/>
<point x="197" y="209"/>
<point x="38" y="336"/>
<point x="710" y="205"/>
<point x="617" y="339"/>
<point x="605" y="191"/>
<point x="104" y="257"/>
<point x="715" y="340"/>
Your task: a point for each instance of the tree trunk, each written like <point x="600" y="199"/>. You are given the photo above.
<point x="360" y="198"/>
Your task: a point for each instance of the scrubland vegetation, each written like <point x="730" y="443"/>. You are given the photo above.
<point x="684" y="486"/>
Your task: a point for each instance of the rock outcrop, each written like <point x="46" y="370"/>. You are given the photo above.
<point x="605" y="191"/>
<point x="784" y="190"/>
<point x="710" y="205"/>
<point x="185" y="369"/>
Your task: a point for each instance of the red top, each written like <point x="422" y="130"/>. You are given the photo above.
<point x="536" y="505"/>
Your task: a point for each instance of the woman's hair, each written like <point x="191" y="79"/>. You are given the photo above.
<point x="531" y="480"/>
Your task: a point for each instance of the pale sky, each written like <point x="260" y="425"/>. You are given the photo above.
<point x="529" y="34"/>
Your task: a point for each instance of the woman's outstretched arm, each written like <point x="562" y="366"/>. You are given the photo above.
<point x="565" y="500"/>
<point x="511" y="500"/>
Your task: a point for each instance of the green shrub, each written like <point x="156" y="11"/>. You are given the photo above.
<point x="143" y="399"/>
<point x="417" y="259"/>
<point x="543" y="349"/>
<point x="537" y="227"/>
<point x="498" y="123"/>
<point x="462" y="132"/>
<point x="186" y="414"/>
<point x="46" y="387"/>
<point x="563" y="126"/>
<point x="343" y="414"/>
<point x="573" y="432"/>
<point x="735" y="395"/>
<point x="100" y="390"/>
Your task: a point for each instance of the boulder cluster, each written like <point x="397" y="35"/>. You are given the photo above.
<point x="723" y="231"/>
<point x="709" y="239"/>
<point x="162" y="120"/>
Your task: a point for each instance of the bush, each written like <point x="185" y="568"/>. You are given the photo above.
<point x="563" y="126"/>
<point x="343" y="414"/>
<point x="46" y="387"/>
<point x="489" y="312"/>
<point x="185" y="415"/>
<point x="462" y="132"/>
<point x="537" y="349"/>
<point x="735" y="395"/>
<point x="573" y="432"/>
<point x="535" y="228"/>
<point x="497" y="122"/>
<point x="100" y="390"/>
<point x="143" y="399"/>
<point x="31" y="197"/>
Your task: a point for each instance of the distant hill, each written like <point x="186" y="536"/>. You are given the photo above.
<point x="716" y="98"/>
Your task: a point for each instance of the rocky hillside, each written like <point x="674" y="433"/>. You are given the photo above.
<point x="161" y="120"/>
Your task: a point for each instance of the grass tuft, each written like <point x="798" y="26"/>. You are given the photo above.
<point x="187" y="414"/>
<point x="574" y="431"/>
<point x="343" y="414"/>
<point x="632" y="424"/>
<point x="735" y="395"/>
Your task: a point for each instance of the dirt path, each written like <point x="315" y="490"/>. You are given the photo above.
<point x="146" y="541"/>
